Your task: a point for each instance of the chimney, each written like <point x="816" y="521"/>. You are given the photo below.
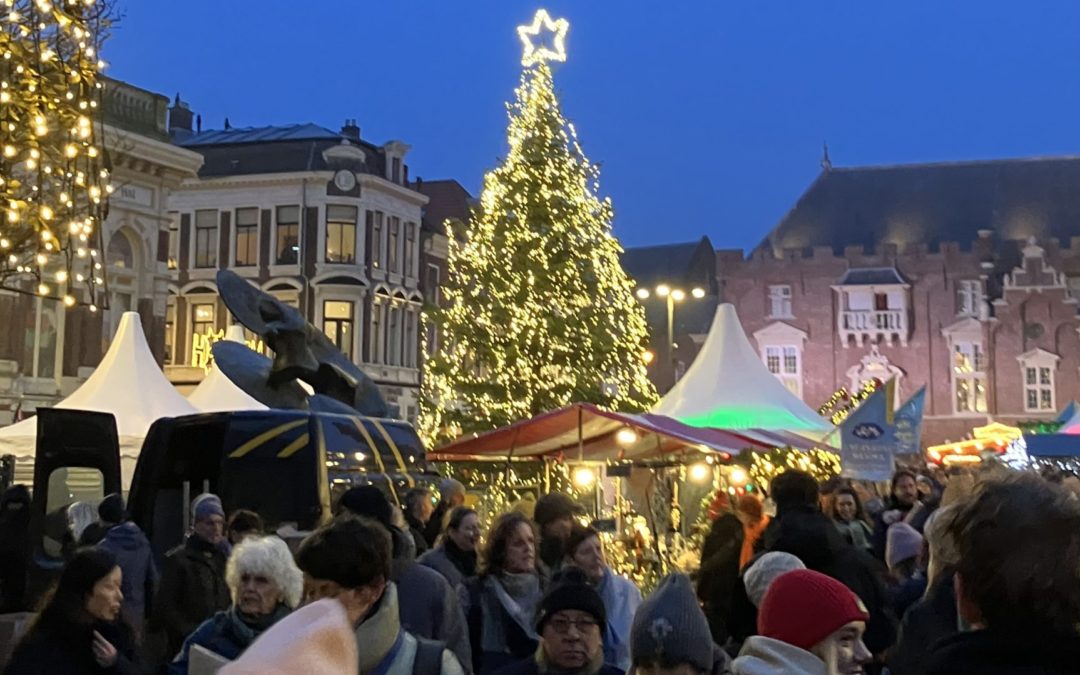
<point x="227" y="125"/>
<point x="350" y="130"/>
<point x="180" y="117"/>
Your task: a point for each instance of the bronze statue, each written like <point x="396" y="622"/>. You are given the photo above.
<point x="301" y="352"/>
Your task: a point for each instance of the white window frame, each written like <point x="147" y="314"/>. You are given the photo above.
<point x="791" y="378"/>
<point x="975" y="354"/>
<point x="780" y="301"/>
<point x="278" y="223"/>
<point x="234" y="244"/>
<point x="215" y="239"/>
<point x="1038" y="379"/>
<point x="969" y="296"/>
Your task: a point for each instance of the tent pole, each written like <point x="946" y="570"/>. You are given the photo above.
<point x="580" y="436"/>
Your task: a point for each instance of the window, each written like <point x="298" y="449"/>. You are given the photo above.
<point x="392" y="245"/>
<point x="395" y="171"/>
<point x="170" y="330"/>
<point x="202" y="319"/>
<point x="783" y="362"/>
<point x="338" y="324"/>
<point x="206" y="238"/>
<point x="393" y="337"/>
<point x="287" y="241"/>
<point x="410" y="245"/>
<point x="968" y="297"/>
<point x="1037" y="369"/>
<point x="340" y="234"/>
<point x="881" y="302"/>
<point x="969" y="377"/>
<point x="410" y="346"/>
<point x="174" y="239"/>
<point x="431" y="288"/>
<point x="247" y="237"/>
<point x="377" y="309"/>
<point x="780" y="302"/>
<point x="376" y="239"/>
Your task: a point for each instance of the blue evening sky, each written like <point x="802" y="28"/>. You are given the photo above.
<point x="706" y="116"/>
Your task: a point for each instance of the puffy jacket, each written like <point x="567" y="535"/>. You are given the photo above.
<point x="140" y="575"/>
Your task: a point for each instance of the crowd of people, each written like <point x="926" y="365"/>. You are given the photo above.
<point x="971" y="573"/>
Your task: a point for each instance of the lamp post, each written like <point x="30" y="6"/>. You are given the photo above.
<point x="671" y="296"/>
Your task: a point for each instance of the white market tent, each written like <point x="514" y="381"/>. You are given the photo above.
<point x="127" y="383"/>
<point x="217" y="393"/>
<point x="729" y="387"/>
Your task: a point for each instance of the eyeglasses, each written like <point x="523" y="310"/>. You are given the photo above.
<point x="562" y="626"/>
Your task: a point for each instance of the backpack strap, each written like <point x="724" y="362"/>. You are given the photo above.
<point x="428" y="659"/>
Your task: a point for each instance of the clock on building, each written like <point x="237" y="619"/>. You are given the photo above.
<point x="345" y="180"/>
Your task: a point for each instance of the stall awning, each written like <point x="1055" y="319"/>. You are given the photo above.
<point x="604" y="435"/>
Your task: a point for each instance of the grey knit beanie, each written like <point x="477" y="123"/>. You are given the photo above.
<point x="759" y="576"/>
<point x="670" y="627"/>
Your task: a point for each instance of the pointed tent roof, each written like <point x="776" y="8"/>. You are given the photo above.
<point x="217" y="393"/>
<point x="1071" y="425"/>
<point x="728" y="387"/>
<point x="127" y="383"/>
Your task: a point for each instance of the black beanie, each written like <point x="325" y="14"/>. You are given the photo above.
<point x="111" y="509"/>
<point x="368" y="501"/>
<point x="570" y="589"/>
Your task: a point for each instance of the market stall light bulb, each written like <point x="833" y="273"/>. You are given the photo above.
<point x="738" y="476"/>
<point x="626" y="436"/>
<point x="701" y="472"/>
<point x="584" y="477"/>
<point x="643" y="293"/>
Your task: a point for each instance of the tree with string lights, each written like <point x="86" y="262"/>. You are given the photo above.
<point x="539" y="311"/>
<point x="53" y="171"/>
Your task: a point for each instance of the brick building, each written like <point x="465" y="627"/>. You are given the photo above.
<point x="963" y="277"/>
<point x="323" y="220"/>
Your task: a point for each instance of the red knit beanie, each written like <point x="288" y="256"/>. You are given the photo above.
<point x="803" y="607"/>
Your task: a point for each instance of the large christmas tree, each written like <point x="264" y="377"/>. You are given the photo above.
<point x="539" y="310"/>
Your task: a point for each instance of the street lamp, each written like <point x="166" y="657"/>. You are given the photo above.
<point x="671" y="296"/>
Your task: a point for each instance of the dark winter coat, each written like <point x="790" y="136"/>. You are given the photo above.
<point x="14" y="547"/>
<point x="140" y="576"/>
<point x="517" y="642"/>
<point x="985" y="652"/>
<point x="451" y="562"/>
<point x="66" y="649"/>
<point x="810" y="536"/>
<point x="530" y="666"/>
<point x="93" y="534"/>
<point x="416" y="530"/>
<point x="226" y="634"/>
<point x="434" y="524"/>
<point x="926" y="623"/>
<point x="430" y="607"/>
<point x="192" y="590"/>
<point x="719" y="573"/>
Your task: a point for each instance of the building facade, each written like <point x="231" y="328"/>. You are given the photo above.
<point x="47" y="351"/>
<point x="323" y="220"/>
<point x="963" y="278"/>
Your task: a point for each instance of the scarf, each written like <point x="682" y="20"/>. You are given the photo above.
<point x="378" y="634"/>
<point x="464" y="561"/>
<point x="245" y="628"/>
<point x="509" y="595"/>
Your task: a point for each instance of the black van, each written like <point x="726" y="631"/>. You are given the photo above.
<point x="290" y="466"/>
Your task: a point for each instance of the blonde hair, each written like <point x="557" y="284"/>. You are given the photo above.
<point x="269" y="556"/>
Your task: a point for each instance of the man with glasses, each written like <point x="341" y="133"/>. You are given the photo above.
<point x="569" y="620"/>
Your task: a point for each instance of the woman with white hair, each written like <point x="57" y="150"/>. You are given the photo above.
<point x="265" y="585"/>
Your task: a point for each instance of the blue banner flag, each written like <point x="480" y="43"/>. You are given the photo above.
<point x="868" y="439"/>
<point x="908" y="422"/>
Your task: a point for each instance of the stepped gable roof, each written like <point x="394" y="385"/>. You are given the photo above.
<point x="934" y="203"/>
<point x="277" y="149"/>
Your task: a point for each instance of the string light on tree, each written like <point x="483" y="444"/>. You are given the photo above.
<point x="539" y="312"/>
<point x="53" y="173"/>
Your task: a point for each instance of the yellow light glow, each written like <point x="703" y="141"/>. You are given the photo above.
<point x="43" y="289"/>
<point x="701" y="472"/>
<point x="738" y="476"/>
<point x="663" y="290"/>
<point x="626" y="436"/>
<point x="698" y="293"/>
<point x="584" y="477"/>
<point x="643" y="293"/>
<point x="678" y="295"/>
<point x="541" y="53"/>
<point x="69" y="301"/>
<point x="648" y="357"/>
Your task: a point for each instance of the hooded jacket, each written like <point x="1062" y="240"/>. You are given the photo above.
<point x="766" y="656"/>
<point x="140" y="576"/>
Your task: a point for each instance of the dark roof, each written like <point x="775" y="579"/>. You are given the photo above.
<point x="280" y="149"/>
<point x="871" y="276"/>
<point x="934" y="203"/>
<point x="667" y="263"/>
<point x="289" y="132"/>
<point x="447" y="199"/>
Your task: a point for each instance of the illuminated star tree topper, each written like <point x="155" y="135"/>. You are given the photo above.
<point x="535" y="51"/>
<point x="539" y="311"/>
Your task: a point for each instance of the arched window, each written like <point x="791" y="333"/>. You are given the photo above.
<point x="119" y="252"/>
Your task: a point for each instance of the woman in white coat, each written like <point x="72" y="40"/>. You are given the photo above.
<point x="621" y="597"/>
